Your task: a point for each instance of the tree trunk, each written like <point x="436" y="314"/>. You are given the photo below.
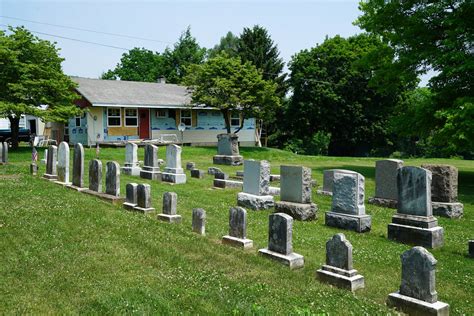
<point x="15" y="130"/>
<point x="225" y="113"/>
<point x="241" y="125"/>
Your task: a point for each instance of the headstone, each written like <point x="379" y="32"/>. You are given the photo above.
<point x="63" y="163"/>
<point x="1" y="153"/>
<point x="95" y="175"/>
<point x="131" y="166"/>
<point x="199" y="221"/>
<point x="33" y="169"/>
<point x="221" y="176"/>
<point x="78" y="166"/>
<point x="255" y="193"/>
<point x="240" y="173"/>
<point x="414" y="222"/>
<point x="348" y="209"/>
<point x="130" y="196"/>
<point x="151" y="168"/>
<point x="226" y="184"/>
<point x="112" y="178"/>
<point x="173" y="172"/>
<point x="170" y="204"/>
<point x="338" y="269"/>
<point x="386" y="192"/>
<point x="190" y="165"/>
<point x="5" y="152"/>
<point x="280" y="247"/>
<point x="444" y="191"/>
<point x="471" y="248"/>
<point x="213" y="170"/>
<point x="45" y="158"/>
<point x="295" y="193"/>
<point x="228" y="150"/>
<point x="196" y="173"/>
<point x="144" y="199"/>
<point x="417" y="295"/>
<point x="237" y="229"/>
<point x="51" y="164"/>
<point x="328" y="180"/>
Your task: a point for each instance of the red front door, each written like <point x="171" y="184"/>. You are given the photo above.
<point x="144" y="126"/>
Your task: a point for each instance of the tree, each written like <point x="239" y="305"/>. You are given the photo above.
<point x="438" y="36"/>
<point x="31" y="76"/>
<point x="228" y="44"/>
<point x="227" y="84"/>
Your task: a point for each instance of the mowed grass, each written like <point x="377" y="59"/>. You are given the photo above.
<point x="68" y="252"/>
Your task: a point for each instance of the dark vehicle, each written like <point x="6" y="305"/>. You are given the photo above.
<point x="24" y="135"/>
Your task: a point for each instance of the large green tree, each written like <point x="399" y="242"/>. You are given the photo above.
<point x="227" y="84"/>
<point x="31" y="76"/>
<point x="437" y="36"/>
<point x="228" y="44"/>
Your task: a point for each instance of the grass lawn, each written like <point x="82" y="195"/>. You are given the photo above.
<point x="67" y="252"/>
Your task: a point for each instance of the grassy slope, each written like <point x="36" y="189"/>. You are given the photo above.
<point x="65" y="252"/>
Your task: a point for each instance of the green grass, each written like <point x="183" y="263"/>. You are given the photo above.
<point x="67" y="252"/>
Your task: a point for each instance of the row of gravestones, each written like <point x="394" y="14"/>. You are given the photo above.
<point x="3" y="153"/>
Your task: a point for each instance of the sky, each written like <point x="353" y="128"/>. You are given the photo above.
<point x="293" y="25"/>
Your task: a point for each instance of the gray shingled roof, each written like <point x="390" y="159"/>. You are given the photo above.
<point x="131" y="93"/>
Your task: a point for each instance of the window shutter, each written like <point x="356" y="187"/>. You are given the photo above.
<point x="178" y="117"/>
<point x="194" y="118"/>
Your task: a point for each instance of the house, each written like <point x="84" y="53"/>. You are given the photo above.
<point x="128" y="110"/>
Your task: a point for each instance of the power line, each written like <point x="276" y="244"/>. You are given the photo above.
<point x="88" y="30"/>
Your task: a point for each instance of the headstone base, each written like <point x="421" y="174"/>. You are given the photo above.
<point x="129" y="206"/>
<point x="346" y="279"/>
<point x="224" y="184"/>
<point x="116" y="200"/>
<point x="413" y="306"/>
<point x="169" y="218"/>
<point x="65" y="184"/>
<point x="73" y="187"/>
<point x="274" y="177"/>
<point x="50" y="177"/>
<point x="228" y="160"/>
<point x="177" y="178"/>
<point x="293" y="260"/>
<point x="237" y="242"/>
<point x="131" y="171"/>
<point x="383" y="202"/>
<point x="143" y="209"/>
<point x="299" y="211"/>
<point x="255" y="202"/>
<point x="450" y="210"/>
<point x="426" y="237"/>
<point x="471" y="248"/>
<point x="150" y="175"/>
<point x="322" y="192"/>
<point x="358" y="223"/>
<point x="273" y="191"/>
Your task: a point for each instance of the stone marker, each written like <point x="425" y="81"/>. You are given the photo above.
<point x="444" y="191"/>
<point x="224" y="184"/>
<point x="112" y="178"/>
<point x="328" y="180"/>
<point x="237" y="229"/>
<point x="274" y="177"/>
<point x="228" y="150"/>
<point x="170" y="203"/>
<point x="95" y="175"/>
<point x="199" y="221"/>
<point x="78" y="166"/>
<point x="414" y="222"/>
<point x="143" y="199"/>
<point x="51" y="164"/>
<point x="173" y="172"/>
<point x="63" y="163"/>
<point x="417" y="294"/>
<point x="151" y="168"/>
<point x="131" y="166"/>
<point x="255" y="193"/>
<point x="338" y="269"/>
<point x="280" y="247"/>
<point x="45" y="158"/>
<point x="3" y="153"/>
<point x="240" y="173"/>
<point x="348" y="209"/>
<point x="295" y="193"/>
<point x="386" y="192"/>
<point x="196" y="173"/>
<point x="221" y="176"/>
<point x="190" y="165"/>
<point x="33" y="169"/>
<point x="213" y="170"/>
<point x="471" y="248"/>
<point x="130" y="196"/>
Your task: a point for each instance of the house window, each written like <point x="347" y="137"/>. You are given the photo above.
<point x="78" y="121"/>
<point x="186" y="117"/>
<point x="113" y="117"/>
<point x="235" y="119"/>
<point x="66" y="129"/>
<point x="131" y="117"/>
<point x="161" y="113"/>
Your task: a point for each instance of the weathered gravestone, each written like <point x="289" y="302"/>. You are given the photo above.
<point x="170" y="204"/>
<point x="151" y="168"/>
<point x="328" y="180"/>
<point x="33" y="168"/>
<point x="237" y="229"/>
<point x="228" y="150"/>
<point x="417" y="294"/>
<point x="280" y="246"/>
<point x="45" y="158"/>
<point x="295" y="193"/>
<point x="173" y="172"/>
<point x="255" y="193"/>
<point x="130" y="196"/>
<point x="199" y="221"/>
<point x="95" y="175"/>
<point x="78" y="167"/>
<point x="3" y="153"/>
<point x="196" y="173"/>
<point x="131" y="166"/>
<point x="112" y="178"/>
<point x="386" y="192"/>
<point x="414" y="222"/>
<point x="338" y="269"/>
<point x="213" y="170"/>
<point x="63" y="163"/>
<point x="190" y="165"/>
<point x="348" y="209"/>
<point x="471" y="248"/>
<point x="51" y="164"/>
<point x="143" y="199"/>
<point x="444" y="191"/>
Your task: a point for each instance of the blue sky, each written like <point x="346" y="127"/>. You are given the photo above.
<point x="293" y="25"/>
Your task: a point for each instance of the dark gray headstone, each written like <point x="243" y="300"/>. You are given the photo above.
<point x="170" y="203"/>
<point x="386" y="178"/>
<point x="238" y="222"/>
<point x="471" y="248"/>
<point x="78" y="166"/>
<point x="95" y="175"/>
<point x="131" y="193"/>
<point x="5" y="152"/>
<point x="280" y="233"/>
<point x="144" y="196"/>
<point x="1" y="152"/>
<point x="221" y="176"/>
<point x="348" y="193"/>
<point x="131" y="155"/>
<point x="190" y="165"/>
<point x="199" y="221"/>
<point x="414" y="191"/>
<point x="339" y="252"/>
<point x="151" y="156"/>
<point x="444" y="184"/>
<point x="213" y="170"/>
<point x="51" y="167"/>
<point x="227" y="144"/>
<point x="196" y="173"/>
<point x="112" y="178"/>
